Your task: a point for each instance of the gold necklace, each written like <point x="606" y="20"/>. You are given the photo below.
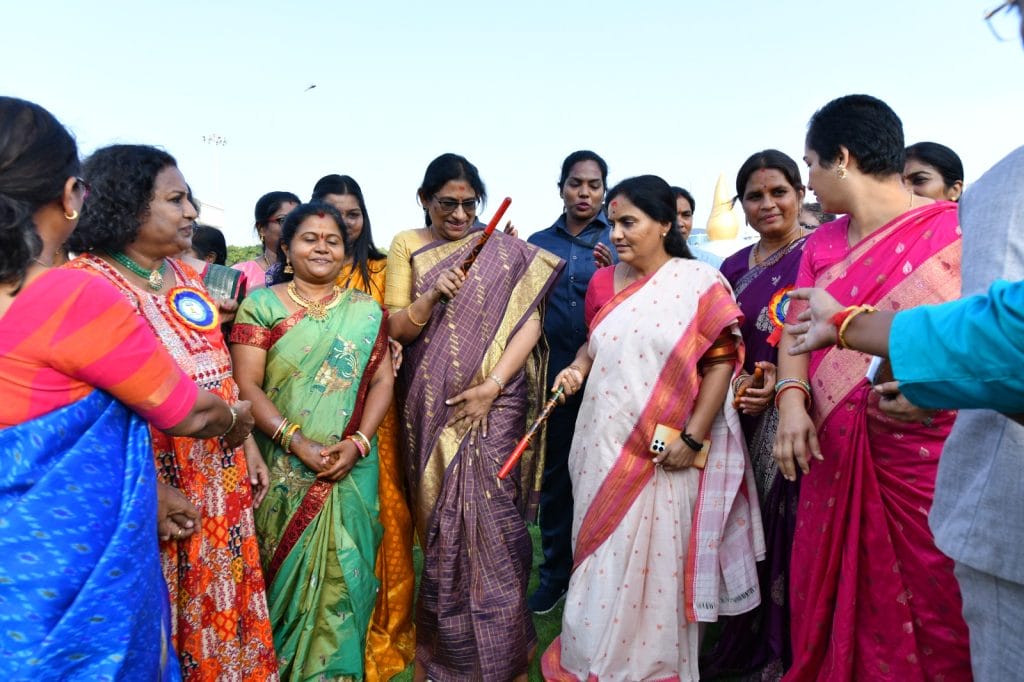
<point x="757" y="248"/>
<point x="315" y="309"/>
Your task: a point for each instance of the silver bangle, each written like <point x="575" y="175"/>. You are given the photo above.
<point x="501" y="384"/>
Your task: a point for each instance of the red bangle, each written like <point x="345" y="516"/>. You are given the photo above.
<point x="843" y="318"/>
<point x="780" y="391"/>
<point x="840" y="317"/>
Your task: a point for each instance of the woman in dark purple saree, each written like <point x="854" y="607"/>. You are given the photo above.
<point x="756" y="644"/>
<point x="472" y="373"/>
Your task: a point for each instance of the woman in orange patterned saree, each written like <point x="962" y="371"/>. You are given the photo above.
<point x="872" y="597"/>
<point x="138" y="219"/>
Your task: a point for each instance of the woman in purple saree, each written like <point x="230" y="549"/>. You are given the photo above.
<point x="472" y="373"/>
<point x="771" y="192"/>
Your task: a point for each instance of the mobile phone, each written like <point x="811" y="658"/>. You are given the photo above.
<point x="663" y="435"/>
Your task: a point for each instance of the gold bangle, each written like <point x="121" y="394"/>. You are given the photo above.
<point x="280" y="429"/>
<point x="362" y="437"/>
<point x="234" y="420"/>
<point x="841" y="335"/>
<point x="286" y="439"/>
<point x="408" y="313"/>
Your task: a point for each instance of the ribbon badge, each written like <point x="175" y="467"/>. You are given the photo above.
<point x="193" y="308"/>
<point x="778" y="306"/>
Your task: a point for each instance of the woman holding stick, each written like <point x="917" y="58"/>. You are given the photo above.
<point x="659" y="545"/>
<point x="472" y="371"/>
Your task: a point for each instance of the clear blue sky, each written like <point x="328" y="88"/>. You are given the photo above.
<point x="680" y="88"/>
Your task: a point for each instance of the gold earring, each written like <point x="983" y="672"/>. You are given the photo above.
<point x="73" y="216"/>
<point x="288" y="270"/>
<point x="841" y="172"/>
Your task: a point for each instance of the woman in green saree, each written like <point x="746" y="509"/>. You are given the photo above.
<point x="313" y="358"/>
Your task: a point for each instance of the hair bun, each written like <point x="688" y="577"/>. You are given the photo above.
<point x="19" y="243"/>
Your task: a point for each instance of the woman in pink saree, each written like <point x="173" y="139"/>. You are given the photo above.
<point x="872" y="597"/>
<point x="659" y="545"/>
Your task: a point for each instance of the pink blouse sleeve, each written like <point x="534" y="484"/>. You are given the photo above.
<point x="600" y="290"/>
<point x="102" y="341"/>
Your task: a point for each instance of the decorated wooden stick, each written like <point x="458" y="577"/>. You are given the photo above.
<point x="757" y="382"/>
<point x="521" y="446"/>
<point x="488" y="231"/>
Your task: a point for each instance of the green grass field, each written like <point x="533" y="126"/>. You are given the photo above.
<point x="548" y="626"/>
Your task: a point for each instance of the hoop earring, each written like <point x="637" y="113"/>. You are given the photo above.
<point x="73" y="216"/>
<point x="841" y="172"/>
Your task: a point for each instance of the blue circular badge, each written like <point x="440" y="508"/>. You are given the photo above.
<point x="194" y="308"/>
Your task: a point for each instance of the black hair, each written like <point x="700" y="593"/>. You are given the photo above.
<point x="866" y="126"/>
<point x="941" y="158"/>
<point x="122" y="177"/>
<point x="578" y="157"/>
<point x="815" y="208"/>
<point x="654" y="196"/>
<point x="363" y="248"/>
<point x="269" y="204"/>
<point x="443" y="170"/>
<point x="768" y="158"/>
<point x="684" y="193"/>
<point x="37" y="156"/>
<point x="276" y="274"/>
<point x="207" y="239"/>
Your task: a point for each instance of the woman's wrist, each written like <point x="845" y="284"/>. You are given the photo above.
<point x="493" y="378"/>
<point x="579" y="370"/>
<point x="234" y="420"/>
<point x="791" y="399"/>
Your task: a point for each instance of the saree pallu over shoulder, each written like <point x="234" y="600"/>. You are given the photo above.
<point x="872" y="597"/>
<point x="461" y="343"/>
<point x="391" y="641"/>
<point x="472" y="619"/>
<point x="912" y="261"/>
<point x="726" y="537"/>
<point x="81" y="591"/>
<point x="318" y="540"/>
<point x="654" y="550"/>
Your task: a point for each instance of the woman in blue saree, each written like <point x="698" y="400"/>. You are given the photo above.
<point x="81" y="591"/>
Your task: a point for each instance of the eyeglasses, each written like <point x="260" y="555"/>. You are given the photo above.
<point x="86" y="188"/>
<point x="1003" y="22"/>
<point x="449" y="205"/>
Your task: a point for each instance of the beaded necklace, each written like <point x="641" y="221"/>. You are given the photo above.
<point x="155" y="277"/>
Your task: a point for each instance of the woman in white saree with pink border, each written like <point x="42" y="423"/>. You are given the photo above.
<point x="656" y="551"/>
